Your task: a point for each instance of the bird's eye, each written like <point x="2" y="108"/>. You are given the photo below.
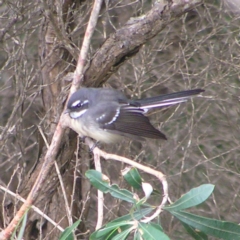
<point x="80" y="104"/>
<point x="77" y="104"/>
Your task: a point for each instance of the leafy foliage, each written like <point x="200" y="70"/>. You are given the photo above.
<point x="198" y="227"/>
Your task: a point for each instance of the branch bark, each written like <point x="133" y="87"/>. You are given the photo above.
<point x="127" y="41"/>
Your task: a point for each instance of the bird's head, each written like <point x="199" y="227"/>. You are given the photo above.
<point x="77" y="104"/>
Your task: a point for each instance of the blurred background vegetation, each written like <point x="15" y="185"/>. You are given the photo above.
<point x="199" y="50"/>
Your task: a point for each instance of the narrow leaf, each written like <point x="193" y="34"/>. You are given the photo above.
<point x="122" y="235"/>
<point x="133" y="178"/>
<point x="68" y="232"/>
<point x="119" y="223"/>
<point x="108" y="229"/>
<point x="137" y="236"/>
<point x="135" y="216"/>
<point x="213" y="227"/>
<point x="122" y="194"/>
<point x="23" y="226"/>
<point x="194" y="197"/>
<point x="96" y="179"/>
<point x="196" y="234"/>
<point x="150" y="231"/>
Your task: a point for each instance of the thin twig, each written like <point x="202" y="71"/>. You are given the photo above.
<point x="37" y="210"/>
<point x="75" y="176"/>
<point x="78" y="74"/>
<point x="68" y="209"/>
<point x="59" y="131"/>
<point x="16" y="170"/>
<point x="100" y="193"/>
<point x="60" y="180"/>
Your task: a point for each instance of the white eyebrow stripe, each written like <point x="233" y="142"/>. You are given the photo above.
<point x="79" y="101"/>
<point x="74" y="104"/>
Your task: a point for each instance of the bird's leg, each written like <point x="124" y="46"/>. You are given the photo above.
<point x="83" y="138"/>
<point x="96" y="144"/>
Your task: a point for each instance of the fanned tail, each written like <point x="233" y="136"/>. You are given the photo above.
<point x="167" y="99"/>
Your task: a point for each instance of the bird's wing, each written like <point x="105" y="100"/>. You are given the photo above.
<point x="126" y="119"/>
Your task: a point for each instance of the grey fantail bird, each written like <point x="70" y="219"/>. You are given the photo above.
<point x="107" y="114"/>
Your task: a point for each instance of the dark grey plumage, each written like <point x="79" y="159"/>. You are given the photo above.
<point x="105" y="114"/>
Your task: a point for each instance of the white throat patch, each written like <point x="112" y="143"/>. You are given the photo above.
<point x="77" y="114"/>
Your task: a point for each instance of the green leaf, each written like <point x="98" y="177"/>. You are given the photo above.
<point x="23" y="226"/>
<point x="194" y="197"/>
<point x="133" y="178"/>
<point x="135" y="216"/>
<point x="196" y="234"/>
<point x="213" y="227"/>
<point x="109" y="229"/>
<point x="157" y="226"/>
<point x="122" y="235"/>
<point x="68" y="232"/>
<point x="96" y="179"/>
<point x="151" y="231"/>
<point x="122" y="194"/>
<point x="137" y="236"/>
<point x="121" y="222"/>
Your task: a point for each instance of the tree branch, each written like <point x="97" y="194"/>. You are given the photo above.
<point x="57" y="137"/>
<point x="128" y="40"/>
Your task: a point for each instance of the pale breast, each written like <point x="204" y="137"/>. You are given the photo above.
<point x="93" y="131"/>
